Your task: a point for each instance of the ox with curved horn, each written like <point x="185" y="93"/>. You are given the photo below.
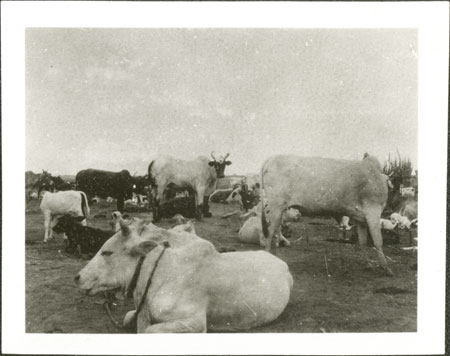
<point x="199" y="175"/>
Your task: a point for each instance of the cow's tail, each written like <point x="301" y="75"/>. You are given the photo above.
<point x="151" y="179"/>
<point x="84" y="205"/>
<point x="264" y="222"/>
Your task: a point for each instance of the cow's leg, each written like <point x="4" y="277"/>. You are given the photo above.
<point x="53" y="222"/>
<point x="281" y="238"/>
<point x="120" y="203"/>
<point x="157" y="193"/>
<point x="206" y="212"/>
<point x="373" y="221"/>
<point x="272" y="224"/>
<point x="196" y="324"/>
<point x="47" y="219"/>
<point x="199" y="195"/>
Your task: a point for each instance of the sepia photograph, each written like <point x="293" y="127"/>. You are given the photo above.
<point x="232" y="180"/>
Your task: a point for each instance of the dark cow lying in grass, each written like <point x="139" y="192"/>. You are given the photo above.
<point x="87" y="239"/>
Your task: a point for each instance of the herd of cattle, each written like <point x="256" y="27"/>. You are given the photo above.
<point x="179" y="281"/>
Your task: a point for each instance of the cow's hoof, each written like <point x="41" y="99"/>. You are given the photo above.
<point x="388" y="272"/>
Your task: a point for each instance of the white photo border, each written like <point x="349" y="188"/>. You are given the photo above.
<point x="432" y="21"/>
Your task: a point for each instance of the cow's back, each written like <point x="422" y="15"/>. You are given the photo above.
<point x="320" y="185"/>
<point x="251" y="230"/>
<point x="64" y="202"/>
<point x="185" y="174"/>
<point x="103" y="183"/>
<point x="245" y="289"/>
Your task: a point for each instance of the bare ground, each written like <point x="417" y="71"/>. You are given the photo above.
<point x="354" y="298"/>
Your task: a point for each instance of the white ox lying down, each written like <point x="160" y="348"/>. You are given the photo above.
<point x="55" y="205"/>
<point x="251" y="231"/>
<point x="322" y="186"/>
<point x="194" y="288"/>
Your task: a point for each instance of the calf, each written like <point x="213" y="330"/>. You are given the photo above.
<point x="55" y="205"/>
<point x="388" y="224"/>
<point x="251" y="231"/>
<point x="89" y="239"/>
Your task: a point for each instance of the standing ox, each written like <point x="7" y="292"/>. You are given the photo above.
<point x="191" y="287"/>
<point x="105" y="184"/>
<point x="55" y="205"/>
<point x="321" y="186"/>
<point x="199" y="175"/>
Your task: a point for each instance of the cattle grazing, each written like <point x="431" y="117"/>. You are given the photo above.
<point x="88" y="239"/>
<point x="55" y="205"/>
<point x="191" y="286"/>
<point x="246" y="195"/>
<point x="37" y="182"/>
<point x="251" y="230"/>
<point x="199" y="175"/>
<point x="322" y="186"/>
<point x="60" y="184"/>
<point x="105" y="184"/>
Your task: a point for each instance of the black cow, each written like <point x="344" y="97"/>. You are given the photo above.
<point x="60" y="184"/>
<point x="89" y="239"/>
<point x="105" y="184"/>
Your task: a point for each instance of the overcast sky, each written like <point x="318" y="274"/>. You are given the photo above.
<point x="115" y="98"/>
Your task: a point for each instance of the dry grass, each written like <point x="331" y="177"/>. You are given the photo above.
<point x="355" y="298"/>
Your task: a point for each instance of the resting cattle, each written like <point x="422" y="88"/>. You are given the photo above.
<point x="193" y="288"/>
<point x="55" y="205"/>
<point x="321" y="186"/>
<point x="199" y="175"/>
<point x="89" y="239"/>
<point x="251" y="230"/>
<point x="106" y="184"/>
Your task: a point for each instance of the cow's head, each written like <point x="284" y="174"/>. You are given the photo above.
<point x="219" y="164"/>
<point x="113" y="266"/>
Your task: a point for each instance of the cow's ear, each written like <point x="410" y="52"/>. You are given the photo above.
<point x="143" y="248"/>
<point x="124" y="227"/>
<point x="227" y="163"/>
<point x="211" y="163"/>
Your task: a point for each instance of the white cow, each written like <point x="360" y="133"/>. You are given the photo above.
<point x="251" y="231"/>
<point x="327" y="187"/>
<point x="402" y="221"/>
<point x="388" y="224"/>
<point x="55" y="205"/>
<point x="188" y="227"/>
<point x="193" y="287"/>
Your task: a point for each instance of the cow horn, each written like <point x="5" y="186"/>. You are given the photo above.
<point x="226" y="156"/>
<point x="212" y="155"/>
